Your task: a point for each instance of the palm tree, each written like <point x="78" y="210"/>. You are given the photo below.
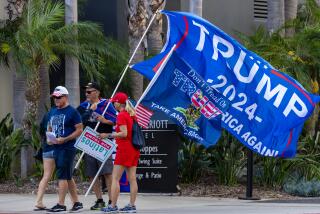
<point x="39" y="39"/>
<point x="290" y="13"/>
<point x="14" y="8"/>
<point x="279" y="13"/>
<point x="137" y="21"/>
<point x="155" y="33"/>
<point x="71" y="63"/>
<point x="196" y="7"/>
<point x="44" y="100"/>
<point x="275" y="15"/>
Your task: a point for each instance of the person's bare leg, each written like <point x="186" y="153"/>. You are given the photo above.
<point x="63" y="188"/>
<point x="48" y="168"/>
<point x="131" y="172"/>
<point x="115" y="186"/>
<point x="73" y="191"/>
<point x="108" y="181"/>
<point x="97" y="188"/>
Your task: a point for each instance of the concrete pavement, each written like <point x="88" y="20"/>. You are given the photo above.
<point x="148" y="203"/>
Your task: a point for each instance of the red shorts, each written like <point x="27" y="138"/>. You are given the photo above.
<point x="127" y="156"/>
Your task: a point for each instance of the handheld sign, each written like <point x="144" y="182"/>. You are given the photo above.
<point x="91" y="144"/>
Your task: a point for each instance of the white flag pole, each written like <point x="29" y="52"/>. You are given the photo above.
<point x="120" y="80"/>
<point x="115" y="90"/>
<point x="156" y="75"/>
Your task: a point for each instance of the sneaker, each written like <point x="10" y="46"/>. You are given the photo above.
<point x="128" y="209"/>
<point x="110" y="209"/>
<point x="76" y="207"/>
<point x="98" y="205"/>
<point x="57" y="209"/>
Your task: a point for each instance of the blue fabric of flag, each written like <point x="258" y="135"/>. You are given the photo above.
<point x="268" y="107"/>
<point x="184" y="96"/>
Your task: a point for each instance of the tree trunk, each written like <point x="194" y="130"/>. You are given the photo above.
<point x="155" y="34"/>
<point x="196" y="7"/>
<point x="30" y="113"/>
<point x="275" y="15"/>
<point x="72" y="82"/>
<point x="290" y="12"/>
<point x="19" y="88"/>
<point x="14" y="8"/>
<point x="44" y="103"/>
<point x="137" y="21"/>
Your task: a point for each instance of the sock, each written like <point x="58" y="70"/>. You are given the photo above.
<point x="100" y="200"/>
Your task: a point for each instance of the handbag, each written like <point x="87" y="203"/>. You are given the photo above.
<point x="138" y="140"/>
<point x="38" y="154"/>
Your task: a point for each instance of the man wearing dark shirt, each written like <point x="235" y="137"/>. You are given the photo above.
<point x="65" y="124"/>
<point x="91" y="113"/>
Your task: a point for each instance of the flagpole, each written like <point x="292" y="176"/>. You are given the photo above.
<point x="156" y="76"/>
<point x="120" y="80"/>
<point x="113" y="93"/>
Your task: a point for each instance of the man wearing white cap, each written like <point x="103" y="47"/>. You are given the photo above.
<point x="65" y="123"/>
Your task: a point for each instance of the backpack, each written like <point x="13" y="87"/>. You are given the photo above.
<point x="138" y="140"/>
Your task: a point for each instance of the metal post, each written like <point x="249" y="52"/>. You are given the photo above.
<point x="249" y="188"/>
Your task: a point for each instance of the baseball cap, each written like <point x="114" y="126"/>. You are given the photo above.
<point x="93" y="85"/>
<point x="60" y="91"/>
<point x="119" y="97"/>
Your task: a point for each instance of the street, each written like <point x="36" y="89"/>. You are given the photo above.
<point x="152" y="203"/>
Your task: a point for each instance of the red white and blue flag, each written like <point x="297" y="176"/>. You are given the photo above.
<point x="262" y="98"/>
<point x="143" y="116"/>
<point x="180" y="93"/>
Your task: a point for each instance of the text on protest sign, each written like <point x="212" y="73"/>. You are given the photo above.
<point x="91" y="144"/>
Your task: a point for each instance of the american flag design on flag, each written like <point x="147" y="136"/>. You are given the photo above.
<point x="143" y="116"/>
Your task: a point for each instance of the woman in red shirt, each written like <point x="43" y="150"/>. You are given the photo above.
<point x="126" y="156"/>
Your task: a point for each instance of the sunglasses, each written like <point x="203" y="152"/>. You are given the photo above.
<point x="58" y="98"/>
<point x="89" y="92"/>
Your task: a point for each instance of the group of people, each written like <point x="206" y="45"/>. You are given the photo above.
<point x="66" y="123"/>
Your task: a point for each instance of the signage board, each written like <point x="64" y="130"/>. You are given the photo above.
<point x="92" y="145"/>
<point x="157" y="170"/>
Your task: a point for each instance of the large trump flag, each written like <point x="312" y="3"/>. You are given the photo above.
<point x="268" y="107"/>
<point x="179" y="92"/>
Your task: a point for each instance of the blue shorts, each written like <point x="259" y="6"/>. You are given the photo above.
<point x="64" y="159"/>
<point x="48" y="155"/>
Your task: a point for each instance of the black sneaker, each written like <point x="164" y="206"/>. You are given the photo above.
<point x="57" y="209"/>
<point x="76" y="207"/>
<point x="98" y="205"/>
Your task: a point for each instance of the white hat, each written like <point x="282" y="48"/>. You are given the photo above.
<point x="60" y="91"/>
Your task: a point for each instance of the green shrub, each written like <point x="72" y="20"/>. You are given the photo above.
<point x="227" y="159"/>
<point x="302" y="187"/>
<point x="192" y="162"/>
<point x="10" y="142"/>
<point x="274" y="172"/>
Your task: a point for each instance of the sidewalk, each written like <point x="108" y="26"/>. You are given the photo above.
<point x="148" y="203"/>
